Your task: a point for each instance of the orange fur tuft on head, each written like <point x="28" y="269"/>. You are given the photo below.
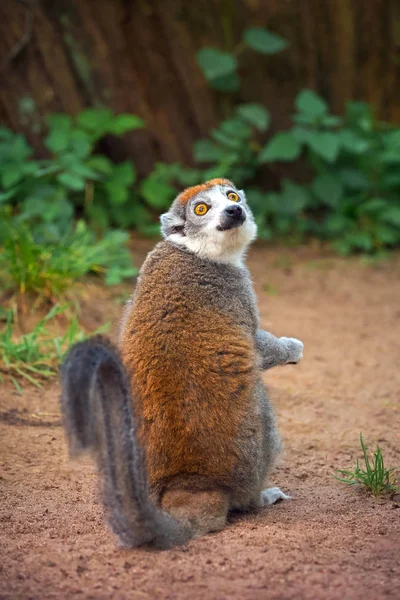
<point x="190" y="192"/>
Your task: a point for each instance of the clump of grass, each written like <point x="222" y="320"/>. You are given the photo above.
<point x="45" y="265"/>
<point x="375" y="477"/>
<point x="35" y="356"/>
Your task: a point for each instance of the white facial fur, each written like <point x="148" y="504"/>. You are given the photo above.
<point x="204" y="239"/>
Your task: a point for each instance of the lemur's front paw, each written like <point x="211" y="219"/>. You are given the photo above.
<point x="294" y="349"/>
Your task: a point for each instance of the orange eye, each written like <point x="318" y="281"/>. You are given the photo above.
<point x="201" y="209"/>
<point x="233" y="196"/>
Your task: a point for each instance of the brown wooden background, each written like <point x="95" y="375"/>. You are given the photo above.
<point x="139" y="56"/>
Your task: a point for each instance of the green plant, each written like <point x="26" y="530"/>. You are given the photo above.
<point x="221" y="69"/>
<point x="74" y="178"/>
<point x="374" y="477"/>
<point x="38" y="262"/>
<point x="353" y="200"/>
<point x="35" y="356"/>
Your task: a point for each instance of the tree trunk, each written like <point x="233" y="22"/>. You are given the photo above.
<point x="139" y="56"/>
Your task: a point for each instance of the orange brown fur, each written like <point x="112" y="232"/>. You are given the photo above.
<point x="190" y="192"/>
<point x="191" y="380"/>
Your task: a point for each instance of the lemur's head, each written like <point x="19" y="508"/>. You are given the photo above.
<point x="212" y="219"/>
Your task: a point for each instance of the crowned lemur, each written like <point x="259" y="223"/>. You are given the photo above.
<point x="178" y="418"/>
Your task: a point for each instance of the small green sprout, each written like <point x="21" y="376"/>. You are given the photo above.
<point x="374" y="477"/>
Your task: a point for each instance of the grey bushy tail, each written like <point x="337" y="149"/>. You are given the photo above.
<point x="98" y="416"/>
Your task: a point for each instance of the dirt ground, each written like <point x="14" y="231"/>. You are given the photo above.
<point x="329" y="542"/>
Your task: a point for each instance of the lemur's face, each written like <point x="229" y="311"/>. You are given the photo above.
<point x="213" y="220"/>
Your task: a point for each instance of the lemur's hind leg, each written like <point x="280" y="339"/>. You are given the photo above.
<point x="205" y="511"/>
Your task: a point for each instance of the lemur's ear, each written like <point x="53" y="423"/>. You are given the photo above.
<point x="171" y="223"/>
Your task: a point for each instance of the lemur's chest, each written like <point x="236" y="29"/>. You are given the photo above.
<point x="186" y="312"/>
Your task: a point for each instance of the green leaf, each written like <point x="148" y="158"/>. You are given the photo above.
<point x="336" y="224"/>
<point x="83" y="171"/>
<point x="117" y="192"/>
<point x="11" y="176"/>
<point x="309" y="102"/>
<point x="328" y="189"/>
<point x="6" y="134"/>
<point x="235" y="128"/>
<point x="8" y="195"/>
<point x="373" y="206"/>
<point x="100" y="163"/>
<point x="225" y="138"/>
<point x="125" y="122"/>
<point x="359" y="114"/>
<point x="391" y="215"/>
<point x="325" y="144"/>
<point x="207" y="151"/>
<point x="391" y="154"/>
<point x="18" y="149"/>
<point x="304" y="119"/>
<point x="390" y="157"/>
<point x="386" y="234"/>
<point x="360" y="240"/>
<point x="353" y="179"/>
<point x="215" y="63"/>
<point x="59" y="134"/>
<point x="123" y="174"/>
<point x="214" y="172"/>
<point x="57" y="141"/>
<point x="293" y="198"/>
<point x="59" y="121"/>
<point x="391" y="180"/>
<point x="302" y="134"/>
<point x="157" y="193"/>
<point x="283" y="146"/>
<point x="255" y="114"/>
<point x="95" y="119"/>
<point x="264" y="41"/>
<point x="352" y="142"/>
<point x="331" y="121"/>
<point x="80" y="143"/>
<point x="71" y="181"/>
<point x="227" y="83"/>
<point x="30" y="168"/>
<point x="117" y="185"/>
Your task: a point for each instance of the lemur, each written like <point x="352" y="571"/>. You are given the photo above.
<point x="177" y="418"/>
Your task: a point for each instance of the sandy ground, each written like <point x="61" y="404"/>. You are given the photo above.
<point x="331" y="541"/>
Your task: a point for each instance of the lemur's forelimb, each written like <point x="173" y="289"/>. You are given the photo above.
<point x="277" y="351"/>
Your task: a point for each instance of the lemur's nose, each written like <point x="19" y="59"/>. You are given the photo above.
<point x="234" y="211"/>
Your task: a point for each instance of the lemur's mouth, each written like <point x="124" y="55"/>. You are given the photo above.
<point x="227" y="227"/>
<point x="228" y="223"/>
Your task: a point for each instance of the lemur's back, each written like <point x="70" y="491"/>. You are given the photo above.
<point x="195" y="406"/>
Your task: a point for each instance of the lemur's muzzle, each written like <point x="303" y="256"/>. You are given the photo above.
<point x="232" y="216"/>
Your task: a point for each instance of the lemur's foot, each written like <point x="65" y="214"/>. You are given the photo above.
<point x="294" y="349"/>
<point x="273" y="495"/>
